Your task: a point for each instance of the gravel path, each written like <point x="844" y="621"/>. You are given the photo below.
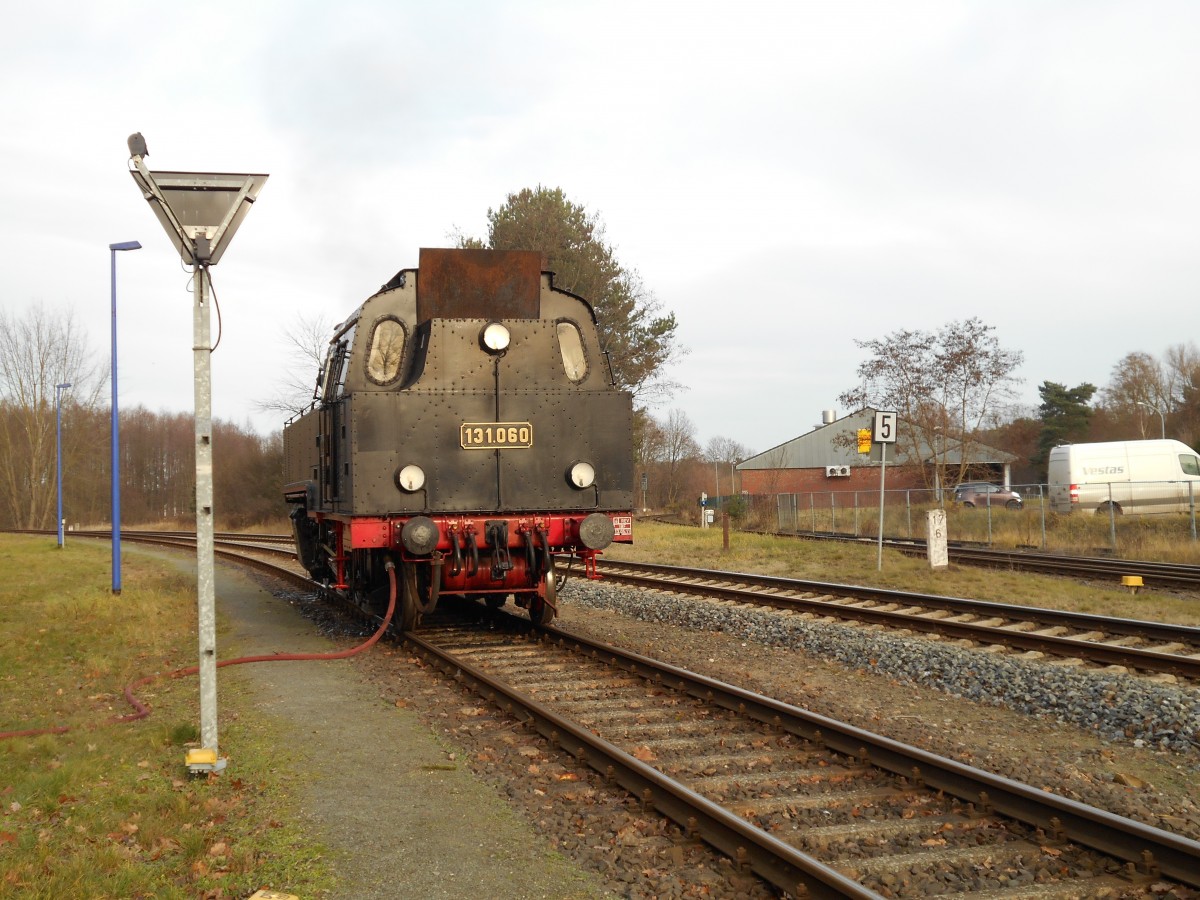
<point x="394" y="804"/>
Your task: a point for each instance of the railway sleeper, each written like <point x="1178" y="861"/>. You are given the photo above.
<point x="992" y="865"/>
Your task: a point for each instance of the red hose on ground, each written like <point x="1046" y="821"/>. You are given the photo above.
<point x="142" y="710"/>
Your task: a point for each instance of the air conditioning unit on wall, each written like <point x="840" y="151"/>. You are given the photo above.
<point x="837" y="471"/>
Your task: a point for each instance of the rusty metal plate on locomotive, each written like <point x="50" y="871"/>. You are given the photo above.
<point x="479" y="284"/>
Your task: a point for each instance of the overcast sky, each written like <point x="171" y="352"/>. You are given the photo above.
<point x="786" y="177"/>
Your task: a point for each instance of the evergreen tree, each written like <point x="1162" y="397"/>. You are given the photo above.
<point x="640" y="340"/>
<point x="1065" y="416"/>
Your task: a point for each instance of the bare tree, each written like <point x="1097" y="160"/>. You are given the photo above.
<point x="306" y="340"/>
<point x="647" y="454"/>
<point x="946" y="386"/>
<point x="776" y="460"/>
<point x="724" y="453"/>
<point x="1137" y="388"/>
<point x="37" y="352"/>
<point x="679" y="446"/>
<point x="1183" y="384"/>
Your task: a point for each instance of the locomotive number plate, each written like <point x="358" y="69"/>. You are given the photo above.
<point x="495" y="435"/>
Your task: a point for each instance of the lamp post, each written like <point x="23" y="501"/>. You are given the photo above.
<point x="116" y="470"/>
<point x="1161" y="419"/>
<point x="58" y="389"/>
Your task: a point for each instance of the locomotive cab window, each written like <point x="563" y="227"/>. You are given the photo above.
<point x="330" y="376"/>
<point x="570" y="344"/>
<point x="386" y="350"/>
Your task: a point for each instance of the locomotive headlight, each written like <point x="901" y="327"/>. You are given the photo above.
<point x="410" y="479"/>
<point x="581" y="475"/>
<point x="495" y="338"/>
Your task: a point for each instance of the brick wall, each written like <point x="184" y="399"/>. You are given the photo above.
<point x="805" y="481"/>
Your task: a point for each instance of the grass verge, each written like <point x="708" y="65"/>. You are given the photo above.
<point x="108" y="810"/>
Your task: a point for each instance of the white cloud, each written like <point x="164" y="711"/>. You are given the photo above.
<point x="785" y="176"/>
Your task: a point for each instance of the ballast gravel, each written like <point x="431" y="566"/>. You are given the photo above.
<point x="1116" y="706"/>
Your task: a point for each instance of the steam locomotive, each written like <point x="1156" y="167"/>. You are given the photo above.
<point x="466" y="429"/>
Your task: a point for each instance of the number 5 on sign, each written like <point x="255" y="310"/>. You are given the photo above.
<point x="885" y="427"/>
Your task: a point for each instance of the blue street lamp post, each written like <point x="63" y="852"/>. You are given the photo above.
<point x="116" y="440"/>
<point x="58" y="389"/>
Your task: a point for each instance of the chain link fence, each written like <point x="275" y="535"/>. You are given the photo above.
<point x="1107" y="530"/>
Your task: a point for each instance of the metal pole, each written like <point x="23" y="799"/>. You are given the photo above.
<point x="1112" y="519"/>
<point x="206" y="602"/>
<point x="116" y="438"/>
<point x="116" y="433"/>
<point x="882" y="476"/>
<point x="989" y="518"/>
<point x="1192" y="508"/>
<point x="1042" y="506"/>
<point x="58" y="389"/>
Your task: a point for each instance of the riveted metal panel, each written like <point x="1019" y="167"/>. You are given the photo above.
<point x="422" y="428"/>
<point x="300" y="449"/>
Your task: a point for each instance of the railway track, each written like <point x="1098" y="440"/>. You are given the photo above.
<point x="813" y="806"/>
<point x="1102" y="640"/>
<point x="1099" y="568"/>
<point x="1134" y="644"/>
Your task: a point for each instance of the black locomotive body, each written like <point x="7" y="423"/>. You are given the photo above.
<point x="467" y="432"/>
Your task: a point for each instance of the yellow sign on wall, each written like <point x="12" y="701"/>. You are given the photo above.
<point x="864" y="441"/>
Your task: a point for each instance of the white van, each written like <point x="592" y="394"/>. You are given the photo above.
<point x="1136" y="477"/>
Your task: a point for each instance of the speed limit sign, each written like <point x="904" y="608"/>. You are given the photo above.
<point x="885" y="427"/>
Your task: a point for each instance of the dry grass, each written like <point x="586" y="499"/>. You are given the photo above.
<point x="856" y="563"/>
<point x="107" y="810"/>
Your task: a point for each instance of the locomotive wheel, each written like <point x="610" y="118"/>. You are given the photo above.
<point x="543" y="605"/>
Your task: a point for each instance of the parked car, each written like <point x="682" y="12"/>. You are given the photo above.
<point x="981" y="493"/>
